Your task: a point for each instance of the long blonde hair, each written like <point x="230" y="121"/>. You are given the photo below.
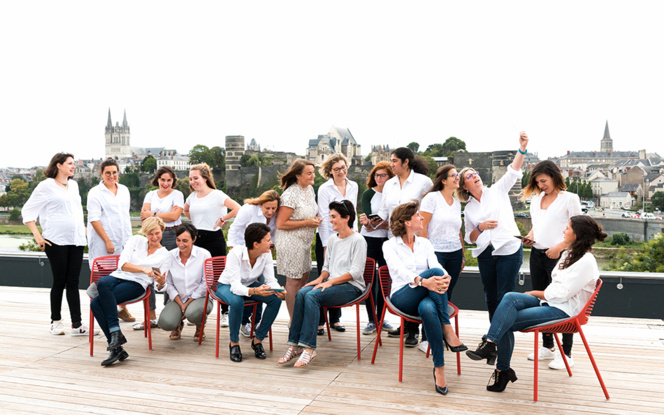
<point x="267" y="196"/>
<point x="206" y="173"/>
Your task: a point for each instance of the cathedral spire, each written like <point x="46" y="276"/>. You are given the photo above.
<point x="109" y="123"/>
<point x="606" y="143"/>
<point x="124" y="121"/>
<point x="606" y="131"/>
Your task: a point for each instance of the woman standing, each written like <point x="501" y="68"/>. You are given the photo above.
<point x="296" y="221"/>
<point x="375" y="237"/>
<point x="166" y="203"/>
<point x="489" y="221"/>
<point x="551" y="208"/>
<point x="335" y="189"/>
<point x="57" y="204"/>
<point x="207" y="208"/>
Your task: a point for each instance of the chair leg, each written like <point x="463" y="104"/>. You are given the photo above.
<point x="270" y="334"/>
<point x="375" y="319"/>
<point x="592" y="360"/>
<point x="200" y="338"/>
<point x="401" y="351"/>
<point x="536" y="362"/>
<point x="253" y="321"/>
<point x="456" y="329"/>
<point x="560" y="348"/>
<point x="148" y="322"/>
<point x="218" y="321"/>
<point x="327" y="324"/>
<point x="380" y="327"/>
<point x="357" y="314"/>
<point x="91" y="338"/>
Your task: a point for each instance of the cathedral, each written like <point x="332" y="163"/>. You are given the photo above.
<point x="117" y="138"/>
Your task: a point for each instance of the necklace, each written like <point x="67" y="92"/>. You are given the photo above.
<point x="61" y="184"/>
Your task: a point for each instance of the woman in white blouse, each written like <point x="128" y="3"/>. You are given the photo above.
<point x="419" y="285"/>
<point x="249" y="273"/>
<point x="489" y="222"/>
<point x="573" y="282"/>
<point x="185" y="284"/>
<point x="165" y="202"/>
<point x="142" y="262"/>
<point x="262" y="209"/>
<point x="336" y="188"/>
<point x="551" y="208"/>
<point x="56" y="202"/>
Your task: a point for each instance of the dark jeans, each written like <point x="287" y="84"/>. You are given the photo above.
<point x="112" y="291"/>
<point x="452" y="262"/>
<point x="215" y="243"/>
<point x="541" y="267"/>
<point x="333" y="313"/>
<point x="375" y="251"/>
<point x="499" y="274"/>
<point x="66" y="261"/>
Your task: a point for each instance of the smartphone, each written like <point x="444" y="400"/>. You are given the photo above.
<point x="156" y="269"/>
<point x="277" y="290"/>
<point x="374" y="216"/>
<point x="523" y="238"/>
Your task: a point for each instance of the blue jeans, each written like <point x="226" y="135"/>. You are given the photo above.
<point x="516" y="312"/>
<point x="499" y="274"/>
<point x="452" y="262"/>
<point x="112" y="291"/>
<point x="236" y="309"/>
<point x="431" y="307"/>
<point x="306" y="313"/>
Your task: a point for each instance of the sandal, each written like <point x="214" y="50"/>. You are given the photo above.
<point x="177" y="333"/>
<point x="197" y="335"/>
<point x="306" y="358"/>
<point x="290" y="354"/>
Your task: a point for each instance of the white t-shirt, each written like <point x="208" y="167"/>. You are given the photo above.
<point x="445" y="223"/>
<point x="415" y="186"/>
<point x="112" y="211"/>
<point x="206" y="211"/>
<point x="549" y="224"/>
<point x="165" y="205"/>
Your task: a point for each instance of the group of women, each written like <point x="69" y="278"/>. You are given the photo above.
<point x="409" y="223"/>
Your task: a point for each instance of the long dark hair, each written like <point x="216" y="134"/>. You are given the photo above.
<point x="442" y="174"/>
<point x="414" y="162"/>
<point x="290" y="177"/>
<point x="587" y="231"/>
<point x="544" y="167"/>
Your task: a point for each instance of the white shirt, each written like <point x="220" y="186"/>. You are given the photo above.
<point x="445" y="224"/>
<point x="165" y="205"/>
<point x="239" y="274"/>
<point x="404" y="264"/>
<point x="135" y="252"/>
<point x="495" y="205"/>
<point x="415" y="186"/>
<point x="328" y="193"/>
<point x="206" y="211"/>
<point x="112" y="211"/>
<point x="247" y="215"/>
<point x="347" y="255"/>
<point x="187" y="280"/>
<point x="59" y="211"/>
<point x="549" y="224"/>
<point x="571" y="288"/>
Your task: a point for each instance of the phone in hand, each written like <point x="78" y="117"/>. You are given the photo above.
<point x="277" y="290"/>
<point x="374" y="216"/>
<point x="524" y="239"/>
<point x="156" y="269"/>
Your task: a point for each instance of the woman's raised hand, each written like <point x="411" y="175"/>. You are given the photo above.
<point x="523" y="141"/>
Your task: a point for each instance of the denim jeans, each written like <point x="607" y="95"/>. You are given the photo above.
<point x="499" y="274"/>
<point x="236" y="309"/>
<point x="375" y="251"/>
<point x="304" y="323"/>
<point x="431" y="307"/>
<point x="112" y="291"/>
<point x="333" y="313"/>
<point x="65" y="261"/>
<point x="516" y="312"/>
<point x="452" y="262"/>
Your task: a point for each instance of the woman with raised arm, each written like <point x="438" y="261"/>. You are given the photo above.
<point x="56" y="202"/>
<point x="573" y="282"/>
<point x="489" y="222"/>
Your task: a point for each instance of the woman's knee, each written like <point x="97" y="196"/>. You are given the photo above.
<point x="427" y="308"/>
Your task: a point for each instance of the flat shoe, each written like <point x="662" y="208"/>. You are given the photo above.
<point x="258" y="349"/>
<point x="236" y="354"/>
<point x="320" y="332"/>
<point x="339" y="327"/>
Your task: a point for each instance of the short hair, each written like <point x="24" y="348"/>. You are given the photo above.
<point x="297" y="167"/>
<point x="267" y="196"/>
<point x="52" y="170"/>
<point x="255" y="232"/>
<point x="402" y="214"/>
<point x="462" y="194"/>
<point x="187" y="227"/>
<point x="415" y="163"/>
<point x="160" y="172"/>
<point x="108" y="162"/>
<point x="326" y="167"/>
<point x="381" y="165"/>
<point x="543" y="167"/>
<point x="442" y="174"/>
<point x="151" y="223"/>
<point x="206" y="173"/>
<point x="345" y="209"/>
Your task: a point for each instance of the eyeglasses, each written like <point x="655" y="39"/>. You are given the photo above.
<point x="454" y="175"/>
<point x="338" y="169"/>
<point x="471" y="175"/>
<point x="381" y="176"/>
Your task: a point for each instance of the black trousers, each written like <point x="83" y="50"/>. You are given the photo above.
<point x="66" y="261"/>
<point x="334" y="313"/>
<point x="215" y="243"/>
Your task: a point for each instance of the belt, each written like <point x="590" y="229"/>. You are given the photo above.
<point x="168" y="228"/>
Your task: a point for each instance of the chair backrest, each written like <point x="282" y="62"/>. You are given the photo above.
<point x="385" y="280"/>
<point x="213" y="268"/>
<point x="369" y="271"/>
<point x="103" y="266"/>
<point x="584" y="315"/>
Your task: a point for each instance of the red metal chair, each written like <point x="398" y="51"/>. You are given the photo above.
<point x="369" y="272"/>
<point x="103" y="266"/>
<point x="213" y="268"/>
<point x="568" y="325"/>
<point x="386" y="286"/>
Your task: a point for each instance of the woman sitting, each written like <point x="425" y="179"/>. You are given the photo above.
<point x="573" y="282"/>
<point x="419" y="284"/>
<point x="249" y="272"/>
<point x="141" y="263"/>
<point x="185" y="284"/>
<point x="340" y="282"/>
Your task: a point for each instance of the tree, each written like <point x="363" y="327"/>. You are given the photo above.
<point x="183" y="186"/>
<point x="149" y="164"/>
<point x="432" y="165"/>
<point x="434" y="150"/>
<point x="15" y="214"/>
<point x="18" y="193"/>
<point x="657" y="200"/>
<point x="649" y="259"/>
<point x="414" y="146"/>
<point x="525" y="179"/>
<point x="130" y="179"/>
<point x="452" y="145"/>
<point x="215" y="157"/>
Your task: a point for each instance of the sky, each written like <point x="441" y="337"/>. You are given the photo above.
<point x="284" y="72"/>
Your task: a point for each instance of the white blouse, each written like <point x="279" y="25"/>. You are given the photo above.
<point x="206" y="211"/>
<point x="495" y="205"/>
<point x="135" y="252"/>
<point x="549" y="224"/>
<point x="247" y="215"/>
<point x="59" y="211"/>
<point x="239" y="274"/>
<point x="415" y="186"/>
<point x="166" y="204"/>
<point x="112" y="211"/>
<point x="571" y="288"/>
<point x="445" y="224"/>
<point x="187" y="280"/>
<point x="404" y="264"/>
<point x="328" y="193"/>
<point x="375" y="203"/>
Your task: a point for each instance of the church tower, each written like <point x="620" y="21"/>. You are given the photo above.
<point x="607" y="142"/>
<point x="117" y="138"/>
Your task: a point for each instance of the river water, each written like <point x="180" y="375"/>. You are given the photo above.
<point x="10" y="243"/>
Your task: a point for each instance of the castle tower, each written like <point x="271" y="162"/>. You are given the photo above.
<point x="118" y="144"/>
<point x="234" y="151"/>
<point x="607" y="142"/>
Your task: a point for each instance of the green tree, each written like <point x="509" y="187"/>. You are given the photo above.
<point x="15" y="214"/>
<point x="183" y="186"/>
<point x="219" y="156"/>
<point x="414" y="146"/>
<point x="39" y="177"/>
<point x="130" y="179"/>
<point x="17" y="194"/>
<point x="432" y="165"/>
<point x="215" y="157"/>
<point x="434" y="150"/>
<point x="649" y="259"/>
<point x="452" y="145"/>
<point x="525" y="179"/>
<point x="657" y="200"/>
<point x="149" y="164"/>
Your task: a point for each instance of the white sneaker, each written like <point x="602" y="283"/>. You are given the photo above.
<point x="82" y="331"/>
<point x="424" y="345"/>
<point x="246" y="330"/>
<point x="544" y="354"/>
<point x="224" y="320"/>
<point x="57" y="328"/>
<point x="559" y="364"/>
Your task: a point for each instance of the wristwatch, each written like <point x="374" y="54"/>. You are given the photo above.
<point x="419" y="283"/>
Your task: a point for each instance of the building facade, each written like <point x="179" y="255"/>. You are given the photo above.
<point x="118" y="138"/>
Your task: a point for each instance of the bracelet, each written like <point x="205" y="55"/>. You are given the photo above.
<point x="478" y="229"/>
<point x="522" y="152"/>
<point x="154" y="214"/>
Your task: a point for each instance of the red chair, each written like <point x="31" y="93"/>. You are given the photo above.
<point x="103" y="266"/>
<point x="213" y="268"/>
<point x="369" y="272"/>
<point x="386" y="286"/>
<point x="568" y="325"/>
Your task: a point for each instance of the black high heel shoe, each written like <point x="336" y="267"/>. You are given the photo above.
<point x="501" y="379"/>
<point x="442" y="390"/>
<point x="456" y="349"/>
<point x="485" y="350"/>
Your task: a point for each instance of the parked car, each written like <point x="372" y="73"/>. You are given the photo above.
<point x="626" y="215"/>
<point x="522" y="215"/>
<point x="648" y="215"/>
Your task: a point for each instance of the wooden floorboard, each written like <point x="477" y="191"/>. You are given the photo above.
<point x="45" y="374"/>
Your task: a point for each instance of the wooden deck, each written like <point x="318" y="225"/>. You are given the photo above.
<point x="41" y="373"/>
